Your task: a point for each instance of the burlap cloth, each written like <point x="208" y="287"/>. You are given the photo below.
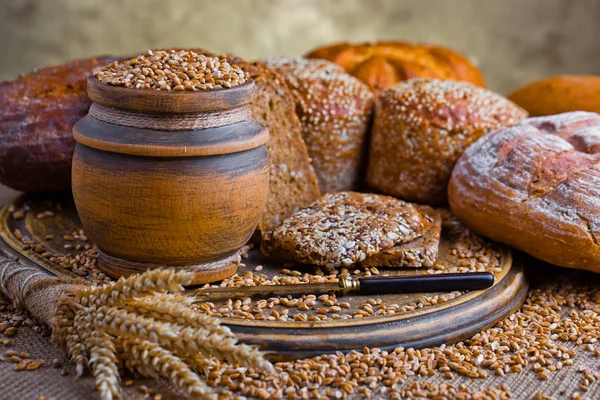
<point x="48" y="382"/>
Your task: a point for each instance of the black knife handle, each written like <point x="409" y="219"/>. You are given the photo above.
<point x="426" y="283"/>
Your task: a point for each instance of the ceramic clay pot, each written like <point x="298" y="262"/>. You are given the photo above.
<point x="174" y="179"/>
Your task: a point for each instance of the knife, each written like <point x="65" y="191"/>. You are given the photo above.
<point x="373" y="285"/>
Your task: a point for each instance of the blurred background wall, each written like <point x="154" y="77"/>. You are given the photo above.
<point x="512" y="41"/>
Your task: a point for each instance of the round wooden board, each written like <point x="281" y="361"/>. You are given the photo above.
<point x="449" y="322"/>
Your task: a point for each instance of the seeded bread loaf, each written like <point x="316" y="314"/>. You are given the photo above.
<point x="293" y="184"/>
<point x="420" y="252"/>
<point x="345" y="228"/>
<point x="383" y="64"/>
<point x="420" y="129"/>
<point x="37" y="113"/>
<point x="536" y="187"/>
<point x="335" y="111"/>
<point x="560" y="94"/>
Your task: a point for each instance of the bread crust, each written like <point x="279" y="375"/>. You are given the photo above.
<point x="341" y="229"/>
<point x="559" y="94"/>
<point x="420" y="252"/>
<point x="422" y="126"/>
<point x="37" y="114"/>
<point x="335" y="112"/>
<point x="383" y="64"/>
<point x="536" y="187"/>
<point x="293" y="183"/>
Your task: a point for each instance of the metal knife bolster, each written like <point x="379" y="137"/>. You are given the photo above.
<point x="349" y="285"/>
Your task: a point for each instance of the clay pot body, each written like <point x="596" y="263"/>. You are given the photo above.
<point x="170" y="179"/>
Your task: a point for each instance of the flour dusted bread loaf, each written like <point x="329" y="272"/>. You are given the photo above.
<point x="335" y="111"/>
<point x="420" y="129"/>
<point x="345" y="228"/>
<point x="37" y="113"/>
<point x="536" y="187"/>
<point x="383" y="64"/>
<point x="560" y="94"/>
<point x="293" y="184"/>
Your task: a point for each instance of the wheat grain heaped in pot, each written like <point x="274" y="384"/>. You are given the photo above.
<point x="345" y="228"/>
<point x="176" y="70"/>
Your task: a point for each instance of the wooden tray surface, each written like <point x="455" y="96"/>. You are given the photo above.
<point x="426" y="325"/>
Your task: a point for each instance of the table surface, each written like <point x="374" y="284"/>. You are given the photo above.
<point x="48" y="381"/>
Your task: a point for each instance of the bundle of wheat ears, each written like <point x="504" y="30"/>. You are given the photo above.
<point x="142" y="323"/>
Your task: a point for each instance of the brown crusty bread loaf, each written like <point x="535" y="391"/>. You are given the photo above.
<point x="420" y="129"/>
<point x="293" y="184"/>
<point x="536" y="187"/>
<point x="37" y="113"/>
<point x="559" y="94"/>
<point x="335" y="111"/>
<point x="341" y="229"/>
<point x="383" y="64"/>
<point x="420" y="252"/>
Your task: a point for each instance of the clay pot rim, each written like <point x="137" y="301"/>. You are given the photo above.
<point x="159" y="102"/>
<point x="221" y="140"/>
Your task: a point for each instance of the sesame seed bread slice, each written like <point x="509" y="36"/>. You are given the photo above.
<point x="344" y="228"/>
<point x="293" y="183"/>
<point x="421" y="252"/>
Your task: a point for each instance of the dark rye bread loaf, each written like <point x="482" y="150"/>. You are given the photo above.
<point x="37" y="113"/>
<point x="536" y="187"/>
<point x="422" y="126"/>
<point x="293" y="184"/>
<point x="335" y="112"/>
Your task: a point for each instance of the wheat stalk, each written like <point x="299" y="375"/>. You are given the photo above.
<point x="103" y="361"/>
<point x="177" y="309"/>
<point x="143" y="324"/>
<point x="125" y="289"/>
<point x="165" y="364"/>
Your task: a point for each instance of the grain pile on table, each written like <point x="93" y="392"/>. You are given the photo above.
<point x="555" y="333"/>
<point x="547" y="349"/>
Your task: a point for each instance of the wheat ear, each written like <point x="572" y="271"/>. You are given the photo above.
<point x="167" y="365"/>
<point x="125" y="289"/>
<point x="103" y="361"/>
